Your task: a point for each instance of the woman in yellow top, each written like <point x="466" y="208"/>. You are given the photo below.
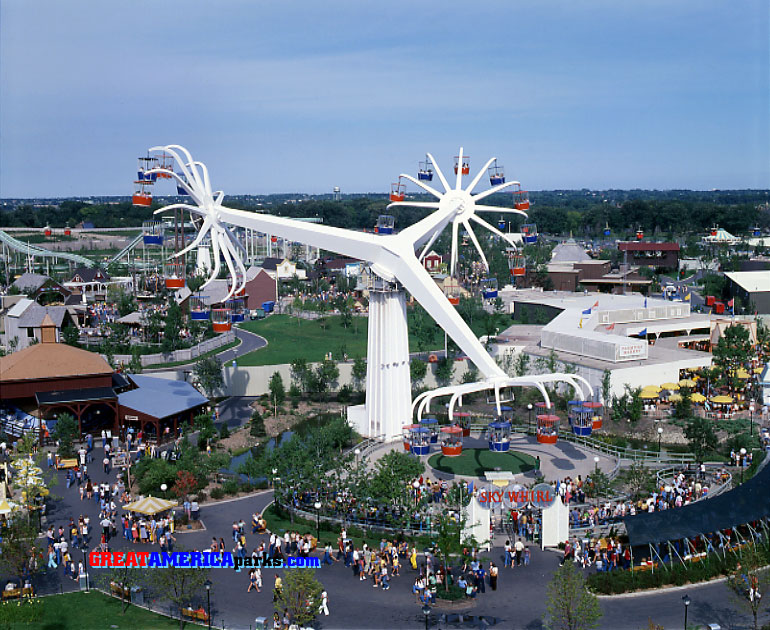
<point x="413" y="558"/>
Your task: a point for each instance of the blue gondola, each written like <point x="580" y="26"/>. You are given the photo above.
<point x="425" y="171"/>
<point x="581" y="420"/>
<point x="385" y="224"/>
<point x="529" y="230"/>
<point x="756" y="231"/>
<point x="489" y="288"/>
<point x="607" y="231"/>
<point x="496" y="174"/>
<point x="501" y="223"/>
<point x="237" y="313"/>
<point x="419" y="441"/>
<point x="152" y="233"/>
<point x="499" y="436"/>
<point x="430" y="423"/>
<point x="179" y="188"/>
<point x="199" y="310"/>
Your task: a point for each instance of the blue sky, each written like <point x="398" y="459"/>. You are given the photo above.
<point x="301" y="96"/>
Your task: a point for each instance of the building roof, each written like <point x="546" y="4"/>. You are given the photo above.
<point x="75" y="395"/>
<point x="642" y="246"/>
<point x="271" y="264"/>
<point x="51" y="360"/>
<point x="90" y="274"/>
<point x="751" y="281"/>
<point x="30" y="281"/>
<point x="131" y="318"/>
<point x="569" y="251"/>
<point x="17" y="309"/>
<point x="34" y="315"/>
<point x="159" y="397"/>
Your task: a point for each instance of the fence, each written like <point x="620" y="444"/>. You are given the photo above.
<point x="187" y="354"/>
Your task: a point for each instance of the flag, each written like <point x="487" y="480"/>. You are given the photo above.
<point x="642" y="332"/>
<point x="580" y="325"/>
<point x="687" y="297"/>
<point x="470" y="487"/>
<point x="587" y="311"/>
<point x="596" y="304"/>
<point x="611" y="326"/>
<point x="731" y="303"/>
<point x="645" y="302"/>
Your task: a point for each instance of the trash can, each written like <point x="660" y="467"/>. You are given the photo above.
<point x="137" y="595"/>
<point x="82" y="582"/>
<point x="194" y="510"/>
<point x="260" y="623"/>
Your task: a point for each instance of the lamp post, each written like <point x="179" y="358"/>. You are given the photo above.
<point x="529" y="427"/>
<point x="660" y="436"/>
<point x="84" y="549"/>
<point x="317" y="506"/>
<point x="751" y="415"/>
<point x="275" y="472"/>
<point x="208" y="601"/>
<point x="357" y="453"/>
<point x="426" y="613"/>
<point x="416" y="486"/>
<point x="742" y="462"/>
<point x="163" y="488"/>
<point x="686" y="600"/>
<point x="596" y="463"/>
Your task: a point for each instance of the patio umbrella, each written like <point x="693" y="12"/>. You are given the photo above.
<point x="671" y="386"/>
<point x="722" y="400"/>
<point x="698" y="398"/>
<point x="650" y="388"/>
<point x="675" y="397"/>
<point x="150" y="505"/>
<point x="6" y="507"/>
<point x="759" y="370"/>
<point x="648" y="395"/>
<point x="743" y="374"/>
<point x="687" y="382"/>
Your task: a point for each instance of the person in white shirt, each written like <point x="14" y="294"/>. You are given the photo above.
<point x="324" y="604"/>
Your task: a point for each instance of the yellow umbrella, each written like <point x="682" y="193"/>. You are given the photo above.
<point x="722" y="400"/>
<point x="675" y="397"/>
<point x="698" y="397"/>
<point x="759" y="370"/>
<point x="671" y="386"/>
<point x="743" y="374"/>
<point x="650" y="388"/>
<point x="150" y="505"/>
<point x="648" y="395"/>
<point x="687" y="382"/>
<point x="6" y="507"/>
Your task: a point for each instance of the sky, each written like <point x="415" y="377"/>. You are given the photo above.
<point x="301" y="96"/>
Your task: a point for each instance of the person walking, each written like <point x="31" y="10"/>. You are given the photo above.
<point x="324" y="608"/>
<point x="493" y="576"/>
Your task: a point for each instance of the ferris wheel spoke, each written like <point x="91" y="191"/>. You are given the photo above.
<point x="439" y="172"/>
<point x="494" y="230"/>
<point x="217" y="264"/>
<point x="231" y="269"/>
<point x="493" y="190"/>
<point x="206" y="180"/>
<point x="501" y="209"/>
<point x="422" y="185"/>
<point x="236" y="242"/>
<point x="479" y="175"/>
<point x="453" y="260"/>
<point x="430" y="242"/>
<point x="172" y="149"/>
<point x="459" y="170"/>
<point x="472" y="234"/>
<point x="207" y="222"/>
<point x="414" y="204"/>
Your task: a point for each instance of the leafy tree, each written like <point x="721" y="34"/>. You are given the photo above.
<point x="208" y="371"/>
<point x="224" y="431"/>
<point x="178" y="585"/>
<point x="151" y="473"/>
<point x="359" y="373"/>
<point x="277" y="392"/>
<point x="640" y="480"/>
<point x="748" y="583"/>
<point x="417" y="371"/>
<point x="185" y="484"/>
<point x="597" y="483"/>
<point x="606" y="387"/>
<point x="301" y="595"/>
<point x="70" y="335"/>
<point x="448" y="537"/>
<point x="300" y="374"/>
<point x="18" y="554"/>
<point x="125" y="303"/>
<point x="391" y="474"/>
<point x="194" y="283"/>
<point x="295" y="394"/>
<point x="569" y="605"/>
<point x="683" y="406"/>
<point x="701" y="436"/>
<point x="732" y="352"/>
<point x="66" y="432"/>
<point x="444" y="371"/>
<point x="124" y="576"/>
<point x="521" y="364"/>
<point x="326" y="374"/>
<point x="422" y="328"/>
<point x="256" y="424"/>
<point x="174" y="322"/>
<point x="135" y="364"/>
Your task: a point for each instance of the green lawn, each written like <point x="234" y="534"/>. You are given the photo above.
<point x="92" y="611"/>
<point x="475" y="461"/>
<point x="289" y="338"/>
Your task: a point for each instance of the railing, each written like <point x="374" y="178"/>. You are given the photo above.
<point x="666" y="475"/>
<point x="593" y="444"/>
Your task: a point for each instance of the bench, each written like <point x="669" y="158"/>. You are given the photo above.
<point x="199" y="614"/>
<point x="120" y="590"/>
<point x="16" y="593"/>
<point x="68" y="463"/>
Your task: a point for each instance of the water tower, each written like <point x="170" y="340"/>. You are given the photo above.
<point x="337" y="193"/>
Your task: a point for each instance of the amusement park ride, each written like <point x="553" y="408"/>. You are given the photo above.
<point x="395" y="267"/>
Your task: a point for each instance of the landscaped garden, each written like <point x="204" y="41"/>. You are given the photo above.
<point x="475" y="461"/>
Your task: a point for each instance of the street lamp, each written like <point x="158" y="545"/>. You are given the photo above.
<point x="660" y="436"/>
<point x="751" y="412"/>
<point x="596" y="463"/>
<point x="742" y="462"/>
<point x="317" y="506"/>
<point x="357" y="453"/>
<point x="426" y="612"/>
<point x="84" y="549"/>
<point x="686" y="600"/>
<point x="163" y="487"/>
<point x="529" y="428"/>
<point x="416" y="486"/>
<point x="208" y="601"/>
<point x="275" y="472"/>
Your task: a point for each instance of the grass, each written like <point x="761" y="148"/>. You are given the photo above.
<point x="290" y="338"/>
<point x="91" y="611"/>
<point x="227" y="346"/>
<point x="474" y="462"/>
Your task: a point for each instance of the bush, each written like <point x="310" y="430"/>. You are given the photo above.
<point x="454" y="593"/>
<point x="345" y="394"/>
<point x="231" y="486"/>
<point x="257" y="424"/>
<point x="201" y="497"/>
<point x="217" y="493"/>
<point x="224" y="431"/>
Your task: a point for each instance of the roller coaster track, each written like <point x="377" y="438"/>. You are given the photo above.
<point x="39" y="252"/>
<point x="126" y="249"/>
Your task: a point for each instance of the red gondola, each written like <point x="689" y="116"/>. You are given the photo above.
<point x="520" y="198"/>
<point x="166" y="162"/>
<point x="466" y="166"/>
<point x="397" y="191"/>
<point x="141" y="197"/>
<point x="547" y="429"/>
<point x="452" y="441"/>
<point x="47" y="231"/>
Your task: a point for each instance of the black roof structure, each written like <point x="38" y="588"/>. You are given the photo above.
<point x="75" y="395"/>
<point x="746" y="503"/>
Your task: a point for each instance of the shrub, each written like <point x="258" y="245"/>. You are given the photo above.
<point x="201" y="496"/>
<point x="224" y="431"/>
<point x="217" y="493"/>
<point x="231" y="486"/>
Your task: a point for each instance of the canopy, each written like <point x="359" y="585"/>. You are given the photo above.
<point x="697" y="397"/>
<point x="675" y="397"/>
<point x="6" y="507"/>
<point x="648" y="395"/>
<point x="454" y="429"/>
<point x="743" y="374"/>
<point x="429" y="421"/>
<point x="650" y="388"/>
<point x="687" y="382"/>
<point x="671" y="386"/>
<point x="722" y="400"/>
<point x="150" y="505"/>
<point x="591" y="404"/>
<point x="748" y="502"/>
<point x="499" y="425"/>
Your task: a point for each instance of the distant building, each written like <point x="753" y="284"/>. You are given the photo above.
<point x="41" y="288"/>
<point x="23" y="323"/>
<point x="282" y="268"/>
<point x="432" y="262"/>
<point x="655" y="255"/>
<point x="752" y="288"/>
